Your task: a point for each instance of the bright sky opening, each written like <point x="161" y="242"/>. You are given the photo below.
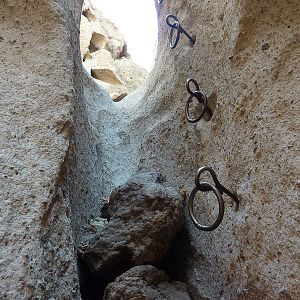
<point x="137" y="20"/>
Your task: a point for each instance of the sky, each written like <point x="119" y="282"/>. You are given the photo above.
<point x="137" y="21"/>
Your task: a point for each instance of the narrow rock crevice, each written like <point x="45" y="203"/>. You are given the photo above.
<point x="144" y="216"/>
<point x="245" y="59"/>
<point x="148" y="130"/>
<point x="91" y="286"/>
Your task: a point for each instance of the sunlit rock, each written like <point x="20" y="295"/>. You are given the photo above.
<point x="121" y="75"/>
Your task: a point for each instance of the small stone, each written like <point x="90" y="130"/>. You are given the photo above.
<point x="98" y="222"/>
<point x="265" y="46"/>
<point x="145" y="282"/>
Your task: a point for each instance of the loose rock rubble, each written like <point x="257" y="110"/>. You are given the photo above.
<point x="104" y="54"/>
<point x="147" y="283"/>
<point x="144" y="215"/>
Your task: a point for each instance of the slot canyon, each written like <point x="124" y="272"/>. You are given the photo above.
<point x="98" y="159"/>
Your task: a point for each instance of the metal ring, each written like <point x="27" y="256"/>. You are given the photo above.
<point x="168" y="17"/>
<point x="202" y="99"/>
<point x="213" y="175"/>
<point x="205" y="186"/>
<point x="174" y="26"/>
<point x="188" y="86"/>
<point x="217" y="183"/>
<point x="171" y="44"/>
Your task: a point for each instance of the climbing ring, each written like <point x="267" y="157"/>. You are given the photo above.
<point x="200" y="96"/>
<point x="217" y="183"/>
<point x="175" y="26"/>
<point x="202" y="99"/>
<point x="206" y="187"/>
<point x="188" y="83"/>
<point x="213" y="175"/>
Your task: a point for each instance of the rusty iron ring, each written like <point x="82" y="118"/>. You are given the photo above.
<point x="205" y="186"/>
<point x="201" y="97"/>
<point x="217" y="183"/>
<point x="212" y="173"/>
<point x="188" y="83"/>
<point x="174" y="26"/>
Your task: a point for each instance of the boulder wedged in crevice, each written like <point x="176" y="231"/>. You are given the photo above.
<point x="144" y="216"/>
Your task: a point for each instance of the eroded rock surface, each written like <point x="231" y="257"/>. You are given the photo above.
<point x="147" y="283"/>
<point x="105" y="56"/>
<point x="144" y="215"/>
<point x="37" y="257"/>
<point x="64" y="141"/>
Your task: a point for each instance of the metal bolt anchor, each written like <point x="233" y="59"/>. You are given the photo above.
<point x="176" y="26"/>
<point x="218" y="190"/>
<point x="202" y="99"/>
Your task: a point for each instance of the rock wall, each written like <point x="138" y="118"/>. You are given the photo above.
<point x="65" y="144"/>
<point x="246" y="59"/>
<point x="37" y="254"/>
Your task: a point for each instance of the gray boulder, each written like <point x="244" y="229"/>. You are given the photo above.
<point x="144" y="216"/>
<point x="147" y="283"/>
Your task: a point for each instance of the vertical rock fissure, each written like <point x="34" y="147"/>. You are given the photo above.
<point x="148" y="131"/>
<point x="144" y="217"/>
<point x="57" y="121"/>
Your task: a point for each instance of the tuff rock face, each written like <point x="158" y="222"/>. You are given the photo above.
<point x="37" y="253"/>
<point x="145" y="282"/>
<point x="105" y="56"/>
<point x="144" y="216"/>
<point x="65" y="144"/>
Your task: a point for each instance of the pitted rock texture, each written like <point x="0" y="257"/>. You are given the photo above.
<point x="147" y="283"/>
<point x="252" y="139"/>
<point x="63" y="140"/>
<point x="144" y="214"/>
<point x="105" y="56"/>
<point x="37" y="252"/>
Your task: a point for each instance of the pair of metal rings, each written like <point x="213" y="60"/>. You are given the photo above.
<point x="200" y="96"/>
<point x="175" y="26"/>
<point x="217" y="189"/>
